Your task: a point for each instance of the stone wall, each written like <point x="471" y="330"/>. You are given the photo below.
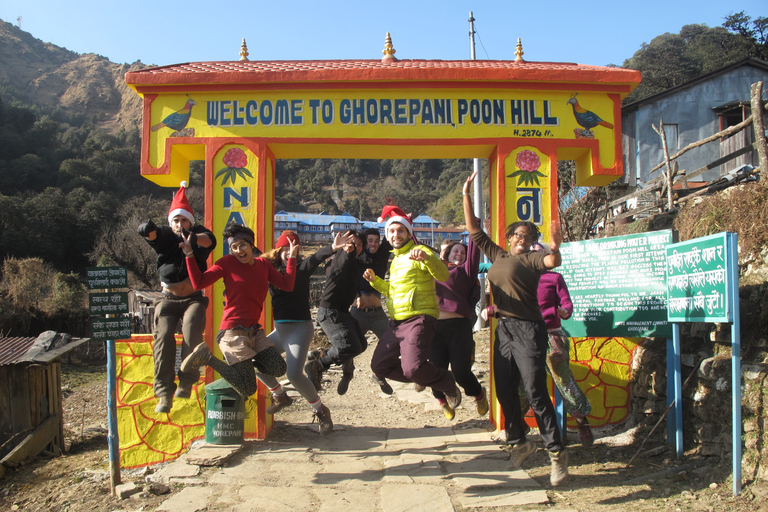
<point x="707" y="410"/>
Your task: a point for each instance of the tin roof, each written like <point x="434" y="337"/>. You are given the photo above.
<point x="250" y="72"/>
<point x="13" y="349"/>
<point x="42" y="349"/>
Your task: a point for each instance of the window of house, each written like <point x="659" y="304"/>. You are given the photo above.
<point x="671" y="134"/>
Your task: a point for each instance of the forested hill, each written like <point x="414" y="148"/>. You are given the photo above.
<point x="67" y="87"/>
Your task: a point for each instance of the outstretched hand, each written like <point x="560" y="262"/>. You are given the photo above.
<point x="556" y="236"/>
<point x="468" y="183"/>
<point x="186" y="244"/>
<point x="342" y="239"/>
<point x="418" y="255"/>
<point x="293" y="248"/>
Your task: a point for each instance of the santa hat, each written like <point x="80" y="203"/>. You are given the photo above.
<point x="180" y="206"/>
<point x="392" y="214"/>
<point x="285" y="236"/>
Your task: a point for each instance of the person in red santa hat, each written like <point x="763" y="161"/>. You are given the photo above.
<point x="403" y="352"/>
<point x="180" y="301"/>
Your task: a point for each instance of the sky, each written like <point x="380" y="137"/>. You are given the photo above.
<point x="598" y="32"/>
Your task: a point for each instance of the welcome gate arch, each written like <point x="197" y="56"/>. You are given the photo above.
<point x="239" y="117"/>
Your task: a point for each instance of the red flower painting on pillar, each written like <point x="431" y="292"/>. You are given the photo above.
<point x="528" y="164"/>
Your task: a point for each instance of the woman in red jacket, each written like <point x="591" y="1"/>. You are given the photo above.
<point x="241" y="338"/>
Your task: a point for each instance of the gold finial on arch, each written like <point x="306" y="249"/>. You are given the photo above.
<point x="243" y="51"/>
<point x="519" y="51"/>
<point x="389" y="50"/>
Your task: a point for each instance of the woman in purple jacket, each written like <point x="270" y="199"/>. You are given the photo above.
<point x="454" y="343"/>
<point x="555" y="303"/>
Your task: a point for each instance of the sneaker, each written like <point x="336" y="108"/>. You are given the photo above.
<point x="482" y="405"/>
<point x="314" y="370"/>
<point x="279" y="402"/>
<point x="183" y="391"/>
<point x="418" y="387"/>
<point x="383" y="384"/>
<point x="164" y="404"/>
<point x="199" y="357"/>
<point x="348" y="369"/>
<point x="448" y="411"/>
<point x="585" y="433"/>
<point x="323" y="417"/>
<point x="454" y="399"/>
<point x="519" y="452"/>
<point x="559" y="467"/>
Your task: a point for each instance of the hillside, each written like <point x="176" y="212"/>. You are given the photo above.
<point x="66" y="85"/>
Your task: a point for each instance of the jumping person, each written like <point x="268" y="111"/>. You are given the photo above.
<point x="180" y="300"/>
<point x="294" y="328"/>
<point x="555" y="303"/>
<point x="403" y="352"/>
<point x="241" y="338"/>
<point x="454" y="342"/>
<point x="367" y="308"/>
<point x="343" y="331"/>
<point x="520" y="342"/>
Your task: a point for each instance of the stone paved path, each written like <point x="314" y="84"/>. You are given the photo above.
<point x="439" y="469"/>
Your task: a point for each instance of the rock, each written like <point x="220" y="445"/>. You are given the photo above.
<point x="158" y="489"/>
<point x="124" y="491"/>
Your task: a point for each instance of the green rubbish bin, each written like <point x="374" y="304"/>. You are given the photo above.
<point x="224" y="414"/>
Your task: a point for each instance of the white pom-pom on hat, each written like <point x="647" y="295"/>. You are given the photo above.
<point x="184" y="184"/>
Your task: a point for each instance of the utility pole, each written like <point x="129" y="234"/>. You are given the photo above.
<point x="478" y="195"/>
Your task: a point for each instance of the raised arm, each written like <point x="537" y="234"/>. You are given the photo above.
<point x="554" y="259"/>
<point x="473" y="226"/>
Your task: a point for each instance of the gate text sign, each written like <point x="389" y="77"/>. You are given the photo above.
<point x="618" y="285"/>
<point x="697" y="283"/>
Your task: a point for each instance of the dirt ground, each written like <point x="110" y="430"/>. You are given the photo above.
<point x="599" y="478"/>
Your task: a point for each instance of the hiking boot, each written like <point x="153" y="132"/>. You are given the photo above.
<point x="316" y="353"/>
<point x="585" y="433"/>
<point x="418" y="387"/>
<point x="383" y="384"/>
<point x="448" y="411"/>
<point x="183" y="391"/>
<point x="279" y="402"/>
<point x="519" y="452"/>
<point x="164" y="404"/>
<point x="482" y="405"/>
<point x="453" y="399"/>
<point x="559" y="467"/>
<point x="323" y="417"/>
<point x="348" y="369"/>
<point x="314" y="370"/>
<point x="199" y="357"/>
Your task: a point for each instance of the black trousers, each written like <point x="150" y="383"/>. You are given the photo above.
<point x="520" y="354"/>
<point x="454" y="345"/>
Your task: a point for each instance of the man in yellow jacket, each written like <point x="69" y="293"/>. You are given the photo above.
<point x="402" y="353"/>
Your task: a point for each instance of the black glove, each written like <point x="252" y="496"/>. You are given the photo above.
<point x="147" y="228"/>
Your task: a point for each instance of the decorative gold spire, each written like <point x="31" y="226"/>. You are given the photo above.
<point x="243" y="51"/>
<point x="519" y="51"/>
<point x="389" y="50"/>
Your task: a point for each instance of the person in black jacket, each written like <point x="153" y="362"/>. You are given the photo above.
<point x="367" y="308"/>
<point x="294" y="328"/>
<point x="180" y="301"/>
<point x="343" y="331"/>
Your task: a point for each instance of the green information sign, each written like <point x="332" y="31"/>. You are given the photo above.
<point x="111" y="328"/>
<point x="697" y="282"/>
<point x="617" y="285"/>
<point x="106" y="277"/>
<point x="112" y="303"/>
